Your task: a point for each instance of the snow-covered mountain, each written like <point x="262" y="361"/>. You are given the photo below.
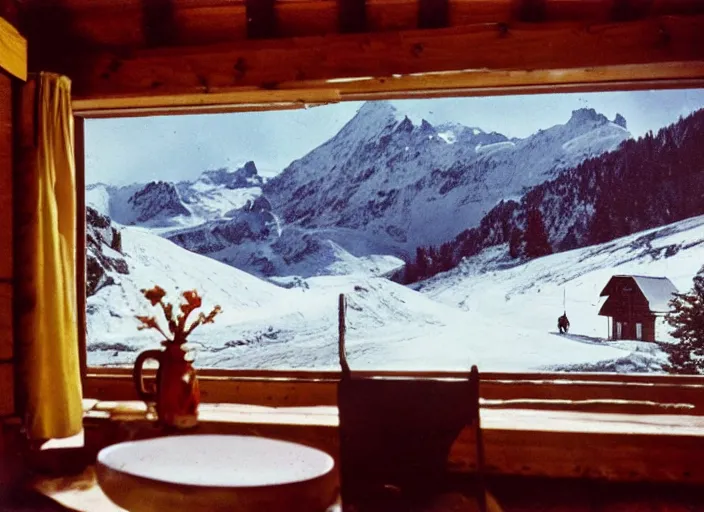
<point x="104" y="253"/>
<point x="655" y="180"/>
<point x="371" y="194"/>
<point x="419" y="184"/>
<point x="165" y="205"/>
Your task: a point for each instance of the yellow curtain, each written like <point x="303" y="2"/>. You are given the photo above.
<point x="48" y="336"/>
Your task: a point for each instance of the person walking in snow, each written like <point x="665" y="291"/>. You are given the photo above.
<point x="563" y="324"/>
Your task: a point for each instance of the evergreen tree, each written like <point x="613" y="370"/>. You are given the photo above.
<point x="433" y="267"/>
<point x="536" y="237"/>
<point x="422" y="263"/>
<point x="410" y="273"/>
<point x="515" y="243"/>
<point x="687" y="318"/>
<point x="446" y="257"/>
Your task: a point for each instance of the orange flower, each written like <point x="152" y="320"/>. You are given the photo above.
<point x="192" y="298"/>
<point x="211" y="316"/>
<point x="154" y="295"/>
<point x="148" y="322"/>
<point x="177" y="326"/>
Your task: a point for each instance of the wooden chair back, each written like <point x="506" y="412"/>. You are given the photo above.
<point x="396" y="433"/>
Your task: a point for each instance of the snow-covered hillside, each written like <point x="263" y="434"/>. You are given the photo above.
<point x="488" y="311"/>
<point x="525" y="300"/>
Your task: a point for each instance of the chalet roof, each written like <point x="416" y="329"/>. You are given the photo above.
<point x="657" y="290"/>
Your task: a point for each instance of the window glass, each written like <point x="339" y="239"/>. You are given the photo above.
<point x="518" y="233"/>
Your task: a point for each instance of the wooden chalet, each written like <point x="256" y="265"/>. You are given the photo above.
<point x="635" y="304"/>
<point x="550" y="441"/>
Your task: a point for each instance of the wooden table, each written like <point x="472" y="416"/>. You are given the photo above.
<point x="216" y="473"/>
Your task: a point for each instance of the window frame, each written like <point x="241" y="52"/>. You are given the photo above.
<point x="568" y="391"/>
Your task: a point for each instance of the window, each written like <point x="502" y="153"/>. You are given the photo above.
<point x="461" y="230"/>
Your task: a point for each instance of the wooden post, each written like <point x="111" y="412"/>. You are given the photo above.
<point x="79" y="156"/>
<point x="342" y="328"/>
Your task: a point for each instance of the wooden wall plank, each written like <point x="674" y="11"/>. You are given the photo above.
<point x="81" y="253"/>
<point x="103" y="23"/>
<point x="13" y="51"/>
<point x="566" y="378"/>
<point x="5" y="177"/>
<point x="585" y="396"/>
<point x="465" y="83"/>
<point x="527" y="443"/>
<point x="7" y="389"/>
<point x="6" y="322"/>
<point x="272" y="62"/>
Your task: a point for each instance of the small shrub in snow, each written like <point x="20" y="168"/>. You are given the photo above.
<point x="686" y="356"/>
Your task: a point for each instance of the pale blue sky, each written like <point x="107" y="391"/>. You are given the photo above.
<point x="173" y="148"/>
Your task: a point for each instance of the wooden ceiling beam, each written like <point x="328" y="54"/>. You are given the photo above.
<point x="531" y="11"/>
<point x="352" y="16"/>
<point x="433" y="13"/>
<point x="121" y="23"/>
<point x="158" y="22"/>
<point x="429" y="85"/>
<point x="261" y="19"/>
<point x="268" y="64"/>
<point x="626" y="10"/>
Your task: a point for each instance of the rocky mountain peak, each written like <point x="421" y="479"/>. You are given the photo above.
<point x="158" y="198"/>
<point x="586" y="116"/>
<point x="377" y="109"/>
<point x="620" y="121"/>
<point x="426" y="127"/>
<point x="371" y="120"/>
<point x="405" y="126"/>
<point x="245" y="176"/>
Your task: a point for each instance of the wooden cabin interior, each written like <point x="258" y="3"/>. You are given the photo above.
<point x="550" y="442"/>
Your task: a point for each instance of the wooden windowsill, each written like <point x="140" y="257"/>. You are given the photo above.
<point x="616" y="447"/>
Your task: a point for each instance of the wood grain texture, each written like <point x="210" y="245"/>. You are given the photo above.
<point x="210" y="22"/>
<point x="269" y="64"/>
<point x="596" y="396"/>
<point x="556" y="444"/>
<point x="120" y="23"/>
<point x="13" y="50"/>
<point x="81" y="253"/>
<point x="298" y="18"/>
<point x="503" y="377"/>
<point x="7" y="389"/>
<point x="6" y="322"/>
<point x="390" y="15"/>
<point x="6" y="160"/>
